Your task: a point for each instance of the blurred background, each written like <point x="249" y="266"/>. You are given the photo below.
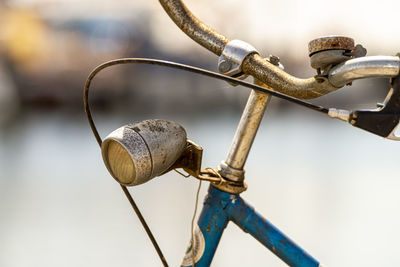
<point x="332" y="188"/>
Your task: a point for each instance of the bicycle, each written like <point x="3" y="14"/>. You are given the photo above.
<point x="136" y="153"/>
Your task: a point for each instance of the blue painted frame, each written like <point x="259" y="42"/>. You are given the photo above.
<point x="220" y="208"/>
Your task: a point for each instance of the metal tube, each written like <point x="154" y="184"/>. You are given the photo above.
<point x="244" y="216"/>
<point x="254" y="64"/>
<point x="364" y="67"/>
<point x="220" y="208"/>
<point x="283" y="82"/>
<point x="247" y="129"/>
<point x="193" y="27"/>
<point x="208" y="232"/>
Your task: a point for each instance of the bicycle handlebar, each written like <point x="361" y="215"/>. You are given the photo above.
<point x="193" y="27"/>
<point x="364" y="67"/>
<point x="272" y="75"/>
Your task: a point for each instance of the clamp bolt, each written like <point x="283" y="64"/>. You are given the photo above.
<point x="224" y="66"/>
<point x="274" y="60"/>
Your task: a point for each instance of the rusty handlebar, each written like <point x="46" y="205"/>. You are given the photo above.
<point x="254" y="64"/>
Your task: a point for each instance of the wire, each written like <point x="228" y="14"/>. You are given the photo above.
<point x="146" y="228"/>
<point x="185" y="68"/>
<point x="192" y="226"/>
<point x="190" y="69"/>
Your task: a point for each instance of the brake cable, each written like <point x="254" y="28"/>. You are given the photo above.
<point x="178" y="66"/>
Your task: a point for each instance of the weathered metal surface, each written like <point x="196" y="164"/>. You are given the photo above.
<point x="324" y="59"/>
<point x="283" y="82"/>
<point x="253" y="65"/>
<point x="166" y="141"/>
<point x="231" y="188"/>
<point x="190" y="159"/>
<point x="221" y="207"/>
<point x="244" y="216"/>
<point x="358" y="51"/>
<point x="229" y="172"/>
<point x="141" y="159"/>
<point x="231" y="60"/>
<point x="329" y="43"/>
<point x="153" y="146"/>
<point x="364" y="67"/>
<point x="244" y="136"/>
<point x="212" y="222"/>
<point x="193" y="27"/>
<point x="215" y="178"/>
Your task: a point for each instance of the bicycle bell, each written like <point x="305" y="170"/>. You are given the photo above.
<point x="329" y="51"/>
<point x="136" y="153"/>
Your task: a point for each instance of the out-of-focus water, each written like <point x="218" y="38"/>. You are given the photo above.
<point x="332" y="188"/>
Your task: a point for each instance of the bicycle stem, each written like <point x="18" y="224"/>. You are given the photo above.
<point x="232" y="167"/>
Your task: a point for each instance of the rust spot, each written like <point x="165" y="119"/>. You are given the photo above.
<point x="330" y="42"/>
<point x="155" y="126"/>
<point x="208" y="229"/>
<point x="283" y="242"/>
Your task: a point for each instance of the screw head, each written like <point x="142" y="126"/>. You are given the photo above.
<point x="224" y="66"/>
<point x="274" y="60"/>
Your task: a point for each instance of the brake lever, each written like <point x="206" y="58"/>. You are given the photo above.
<point x="384" y="120"/>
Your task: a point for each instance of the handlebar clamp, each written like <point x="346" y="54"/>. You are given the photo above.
<point x="232" y="57"/>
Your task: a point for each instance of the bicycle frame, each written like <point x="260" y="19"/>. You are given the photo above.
<point x="220" y="208"/>
<point x="223" y="202"/>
